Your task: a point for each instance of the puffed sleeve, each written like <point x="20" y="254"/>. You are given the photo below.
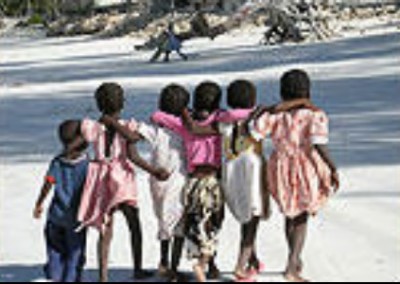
<point x="319" y="131"/>
<point x="261" y="127"/>
<point x="148" y="132"/>
<point x="90" y="130"/>
<point x="132" y="125"/>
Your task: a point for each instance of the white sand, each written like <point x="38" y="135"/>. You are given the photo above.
<point x="357" y="236"/>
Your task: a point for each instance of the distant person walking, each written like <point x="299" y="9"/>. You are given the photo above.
<point x="169" y="43"/>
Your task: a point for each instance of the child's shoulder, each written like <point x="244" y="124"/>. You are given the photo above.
<point x="311" y="112"/>
<point x="61" y="161"/>
<point x="55" y="160"/>
<point x="312" y="115"/>
<point x="88" y="122"/>
<point x="234" y="115"/>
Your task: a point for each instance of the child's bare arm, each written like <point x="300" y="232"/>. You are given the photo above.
<point x="259" y="111"/>
<point x="160" y="173"/>
<point x="38" y="210"/>
<point x="76" y="145"/>
<point x="298" y="103"/>
<point x="195" y="128"/>
<point x="132" y="137"/>
<point x="325" y="155"/>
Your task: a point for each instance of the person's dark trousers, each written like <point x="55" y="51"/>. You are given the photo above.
<point x="66" y="250"/>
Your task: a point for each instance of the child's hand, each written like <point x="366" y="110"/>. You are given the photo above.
<point x="309" y="105"/>
<point x="106" y="120"/>
<point x="335" y="181"/>
<point x="294" y="104"/>
<point x="161" y="174"/>
<point x="37" y="212"/>
<point x="186" y="112"/>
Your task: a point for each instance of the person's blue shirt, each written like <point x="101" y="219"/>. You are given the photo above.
<point x="174" y="44"/>
<point x="68" y="177"/>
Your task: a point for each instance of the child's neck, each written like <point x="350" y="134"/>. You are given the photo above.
<point x="199" y="116"/>
<point x="116" y="115"/>
<point x="72" y="155"/>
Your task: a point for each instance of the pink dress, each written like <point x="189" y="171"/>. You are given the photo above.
<point x="300" y="181"/>
<point x="110" y="181"/>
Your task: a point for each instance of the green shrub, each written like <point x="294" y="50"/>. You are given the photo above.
<point x="36" y="19"/>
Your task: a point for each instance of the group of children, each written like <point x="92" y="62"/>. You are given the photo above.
<point x="202" y="159"/>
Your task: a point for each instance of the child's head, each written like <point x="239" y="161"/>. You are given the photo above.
<point x="173" y="99"/>
<point x="110" y="98"/>
<point x="295" y="84"/>
<point x="68" y="131"/>
<point x="207" y="98"/>
<point x="242" y="94"/>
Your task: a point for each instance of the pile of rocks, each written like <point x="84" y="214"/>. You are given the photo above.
<point x="350" y="13"/>
<point x="146" y="26"/>
<point x="79" y="25"/>
<point x="111" y="25"/>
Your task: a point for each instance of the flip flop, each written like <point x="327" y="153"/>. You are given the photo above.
<point x="256" y="271"/>
<point x="244" y="279"/>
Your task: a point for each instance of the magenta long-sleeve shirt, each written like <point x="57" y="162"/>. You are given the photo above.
<point x="201" y="150"/>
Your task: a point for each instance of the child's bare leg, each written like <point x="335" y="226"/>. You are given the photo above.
<point x="177" y="253"/>
<point x="132" y="216"/>
<point x="104" y="250"/>
<point x="254" y="261"/>
<point x="247" y="247"/>
<point x="289" y="231"/>
<point x="299" y="227"/>
<point x="177" y="250"/>
<point x="213" y="271"/>
<point x="200" y="267"/>
<point x="164" y="261"/>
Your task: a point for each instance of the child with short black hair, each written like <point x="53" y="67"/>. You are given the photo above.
<point x="111" y="183"/>
<point x="301" y="173"/>
<point x="168" y="153"/>
<point x="66" y="248"/>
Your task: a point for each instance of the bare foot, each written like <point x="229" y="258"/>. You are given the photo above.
<point x="300" y="267"/>
<point x="243" y="277"/>
<point x="294" y="277"/>
<point x="163" y="270"/>
<point x="213" y="273"/>
<point x="177" y="277"/>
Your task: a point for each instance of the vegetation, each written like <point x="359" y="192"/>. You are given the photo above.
<point x="29" y="7"/>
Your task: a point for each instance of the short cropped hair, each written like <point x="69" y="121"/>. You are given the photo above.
<point x="110" y="98"/>
<point x="242" y="94"/>
<point x="207" y="96"/>
<point x="173" y="99"/>
<point x="68" y="131"/>
<point x="295" y="84"/>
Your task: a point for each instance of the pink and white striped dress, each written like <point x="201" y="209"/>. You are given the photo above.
<point x="299" y="180"/>
<point x="110" y="181"/>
